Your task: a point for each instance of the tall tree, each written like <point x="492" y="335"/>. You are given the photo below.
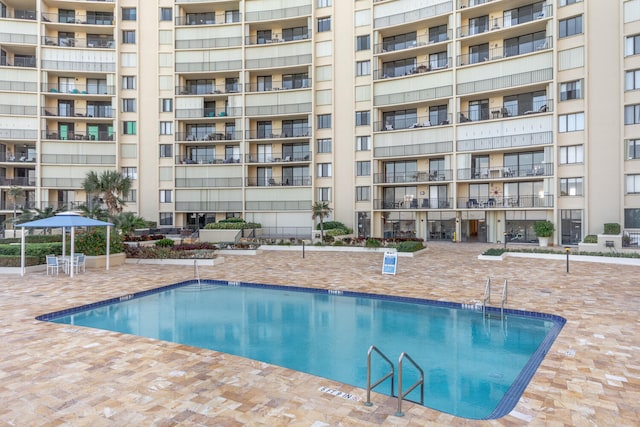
<point x="128" y="222"/>
<point x="111" y="186"/>
<point x="320" y="210"/>
<point x="15" y="192"/>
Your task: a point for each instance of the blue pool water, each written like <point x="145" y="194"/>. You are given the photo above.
<point x="475" y="366"/>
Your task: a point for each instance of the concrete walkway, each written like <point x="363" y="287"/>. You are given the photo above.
<point x="63" y="375"/>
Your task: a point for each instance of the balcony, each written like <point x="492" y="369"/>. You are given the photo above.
<point x="276" y="133"/>
<point x="194" y="113"/>
<point x="279" y="205"/>
<point x="55" y="88"/>
<point x="23" y="61"/>
<point x="208" y="18"/>
<point x="18" y="110"/>
<point x="18" y="158"/>
<point x="212" y="136"/>
<point x="420" y="41"/>
<point x="501" y="202"/>
<point x="87" y="67"/>
<point x="504" y="112"/>
<point x="414" y="203"/>
<point x="64" y="183"/>
<point x="413" y="177"/>
<point x="282" y="13"/>
<point x="208" y="89"/>
<point x="211" y="43"/>
<point x="506" y="172"/>
<point x="278" y="181"/>
<point x="29" y="15"/>
<point x="506" y="142"/>
<point x="279" y="109"/>
<point x="421" y="67"/>
<point x="502" y="52"/>
<point x="79" y="159"/>
<point x="411" y="123"/>
<point x="208" y="182"/>
<point x="304" y="156"/>
<point x="470" y="3"/>
<point x="12" y="86"/>
<point x="78" y="113"/>
<point x="413" y="15"/>
<point x="20" y="134"/>
<point x="412" y="150"/>
<point x="200" y="206"/>
<point x="79" y="136"/>
<point x="78" y="42"/>
<point x="275" y="38"/>
<point x="277" y="85"/>
<point x="206" y="160"/>
<point x="18" y="182"/>
<point x="97" y="18"/>
<point x="17" y="38"/>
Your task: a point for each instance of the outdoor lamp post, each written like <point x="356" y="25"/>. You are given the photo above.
<point x="505" y="239"/>
<point x="567" y="250"/>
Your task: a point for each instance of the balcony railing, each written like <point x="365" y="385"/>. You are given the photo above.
<point x="221" y="42"/>
<point x="505" y="142"/>
<point x="279" y="205"/>
<point x="498" y="23"/>
<point x="502" y="172"/>
<point x="18" y="110"/>
<point x="18" y="133"/>
<point x="200" y="206"/>
<point x="279" y="13"/>
<point x="12" y="86"/>
<point x="413" y="203"/>
<point x="78" y="89"/>
<point x="469" y="3"/>
<point x="304" y="156"/>
<point x="416" y="176"/>
<point x="79" y="159"/>
<point x="78" y="136"/>
<point x="276" y="133"/>
<point x="501" y="202"/>
<point x="17" y="38"/>
<point x="420" y="41"/>
<point x="412" y="123"/>
<point x="279" y="109"/>
<point x="78" y="42"/>
<point x="208" y="89"/>
<point x="275" y="38"/>
<point x="410" y="150"/>
<point x="193" y="113"/>
<point x="206" y="160"/>
<point x="278" y="181"/>
<point x="212" y="136"/>
<point x="19" y="182"/>
<point x="104" y="113"/>
<point x="21" y="14"/>
<point x="543" y="106"/>
<point x="421" y="67"/>
<point x="88" y="66"/>
<point x="502" y="52"/>
<point x="90" y="19"/>
<point x="413" y="15"/>
<point x="277" y="85"/>
<point x="68" y="183"/>
<point x="208" y="182"/>
<point x="29" y="61"/>
<point x="208" y="18"/>
<point x="17" y="158"/>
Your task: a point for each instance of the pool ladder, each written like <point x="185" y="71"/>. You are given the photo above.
<point x="391" y="374"/>
<point x="486" y="299"/>
<point x="196" y="272"/>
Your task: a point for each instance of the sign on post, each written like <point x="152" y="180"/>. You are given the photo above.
<point x="390" y="262"/>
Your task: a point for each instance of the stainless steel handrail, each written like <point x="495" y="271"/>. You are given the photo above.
<point x="377" y="383"/>
<point x="420" y="383"/>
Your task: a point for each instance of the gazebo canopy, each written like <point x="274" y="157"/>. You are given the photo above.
<point x="63" y="220"/>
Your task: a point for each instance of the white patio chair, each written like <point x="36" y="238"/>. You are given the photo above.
<point x="52" y="264"/>
<point x="80" y="263"/>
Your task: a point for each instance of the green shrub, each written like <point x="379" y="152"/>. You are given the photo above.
<point x="410" y="246"/>
<point x="338" y="243"/>
<point x="612" y="228"/>
<point x="165" y="243"/>
<point x="93" y="242"/>
<point x="590" y="238"/>
<point x="493" y="252"/>
<point x="337" y="231"/>
<point x="543" y="228"/>
<point x="35" y="250"/>
<point x="233" y="219"/>
<point x="372" y="243"/>
<point x="231" y="225"/>
<point x="13" y="261"/>
<point x="37" y="238"/>
<point x="330" y="225"/>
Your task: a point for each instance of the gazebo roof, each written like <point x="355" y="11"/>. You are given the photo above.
<point x="65" y="219"/>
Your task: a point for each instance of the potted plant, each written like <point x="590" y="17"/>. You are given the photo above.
<point x="544" y="230"/>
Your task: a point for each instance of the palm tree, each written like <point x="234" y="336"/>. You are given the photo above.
<point x="14" y="192"/>
<point x="34" y="214"/>
<point x="111" y="185"/>
<point x="128" y="222"/>
<point x="95" y="212"/>
<point x="320" y="210"/>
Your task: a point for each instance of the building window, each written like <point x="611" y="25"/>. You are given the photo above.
<point x="324" y="194"/>
<point x="568" y="2"/>
<point x="632" y="80"/>
<point x="438" y="34"/>
<point x="363" y="194"/>
<point x="571" y="154"/>
<point x="324" y="170"/>
<point x="363" y="42"/>
<point x="363" y="143"/>
<point x="571" y="90"/>
<point x="130" y="172"/>
<point x="129" y="13"/>
<point x="571" y="187"/>
<point x="128" y="82"/>
<point x="363" y="68"/>
<point x="129" y="105"/>
<point x="363" y="168"/>
<point x="518" y="46"/>
<point x="324" y="145"/>
<point x="131" y="197"/>
<point x="166" y="105"/>
<point x="571" y="122"/>
<point x="632" y="148"/>
<point x="324" y="24"/>
<point x="130" y="128"/>
<point x="166" y="218"/>
<point x="166" y="150"/>
<point x="323" y="3"/>
<point x="571" y="26"/>
<point x="128" y="36"/>
<point x="165" y="196"/>
<point x="166" y="128"/>
<point x="324" y="121"/>
<point x="632" y="45"/>
<point x="166" y="14"/>
<point x="632" y="114"/>
<point x="363" y="118"/>
<point x="633" y="184"/>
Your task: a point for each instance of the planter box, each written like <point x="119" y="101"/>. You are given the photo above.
<point x="173" y="261"/>
<point x="100" y="261"/>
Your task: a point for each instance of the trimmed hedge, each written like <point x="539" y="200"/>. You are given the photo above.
<point x="231" y="225"/>
<point x="37" y="238"/>
<point x="165" y="243"/>
<point x="410" y="246"/>
<point x="35" y="250"/>
<point x="590" y="238"/>
<point x="612" y="228"/>
<point x="330" y="225"/>
<point x="12" y="261"/>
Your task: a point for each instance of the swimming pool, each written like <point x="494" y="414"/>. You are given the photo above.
<point x="475" y="366"/>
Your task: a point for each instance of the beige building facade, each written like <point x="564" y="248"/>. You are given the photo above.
<point x="463" y="120"/>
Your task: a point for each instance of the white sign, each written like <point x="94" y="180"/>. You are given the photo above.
<point x="390" y="262"/>
<point x="339" y="393"/>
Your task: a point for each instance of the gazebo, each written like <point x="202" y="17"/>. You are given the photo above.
<point x="63" y="220"/>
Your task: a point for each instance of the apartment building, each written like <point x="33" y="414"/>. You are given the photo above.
<point x="463" y="120"/>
